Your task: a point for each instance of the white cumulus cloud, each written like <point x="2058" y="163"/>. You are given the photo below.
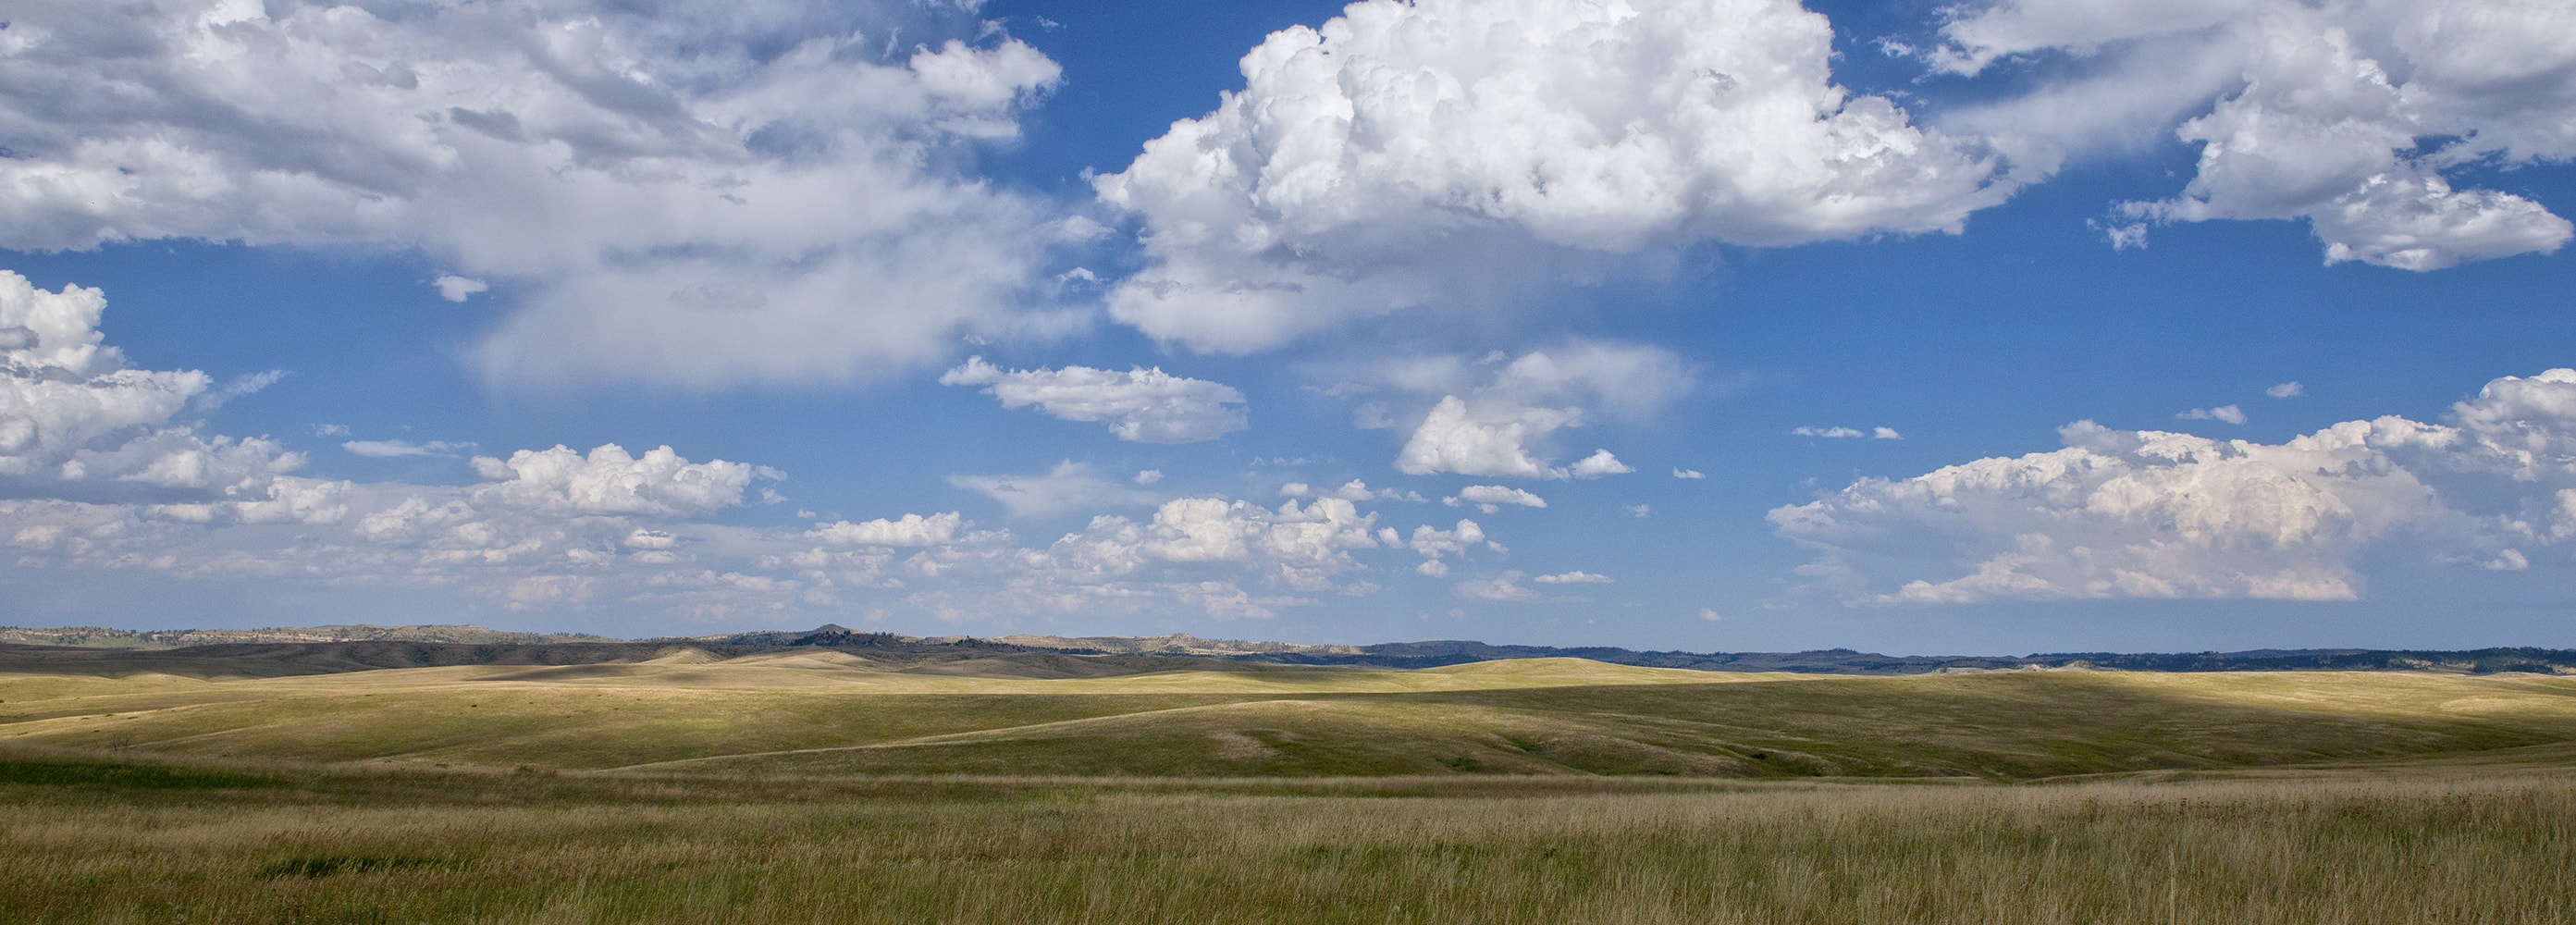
<point x="609" y="480"/>
<point x="1300" y="546"/>
<point x="75" y="419"/>
<point x="908" y="530"/>
<point x="1436" y="544"/>
<point x="63" y="389"/>
<point x="556" y="530"/>
<point x="1140" y="405"/>
<point x="2157" y="514"/>
<point x="2350" y="115"/>
<point x="1450" y="439"/>
<point x="456" y="288"/>
<point x="1599" y="464"/>
<point x="1498" y="421"/>
<point x="1406" y="153"/>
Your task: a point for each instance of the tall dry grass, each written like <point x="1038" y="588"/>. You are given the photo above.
<point x="541" y="849"/>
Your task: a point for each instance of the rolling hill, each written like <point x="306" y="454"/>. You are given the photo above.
<point x="875" y="705"/>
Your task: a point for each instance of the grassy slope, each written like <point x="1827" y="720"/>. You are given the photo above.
<point x="2325" y="797"/>
<point x="833" y="713"/>
<point x="352" y="847"/>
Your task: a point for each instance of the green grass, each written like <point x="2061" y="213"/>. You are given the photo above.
<point x="827" y="789"/>
<point x="838" y="716"/>
<point x="359" y="847"/>
<point x="61" y="772"/>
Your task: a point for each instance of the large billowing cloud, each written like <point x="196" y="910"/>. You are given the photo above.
<point x="678" y="194"/>
<point x="2155" y="514"/>
<point x="61" y="388"/>
<point x="1142" y="405"/>
<point x="2350" y="114"/>
<point x="75" y="421"/>
<point x="1407" y="153"/>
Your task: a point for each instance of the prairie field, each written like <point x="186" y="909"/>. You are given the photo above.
<point x="825" y="787"/>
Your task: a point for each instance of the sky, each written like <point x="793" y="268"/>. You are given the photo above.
<point x="1712" y="325"/>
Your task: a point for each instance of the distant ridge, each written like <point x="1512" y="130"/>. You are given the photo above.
<point x="1179" y="648"/>
<point x="94" y="637"/>
<point x="1826" y="661"/>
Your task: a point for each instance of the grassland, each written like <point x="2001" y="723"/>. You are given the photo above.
<point x="822" y="786"/>
<point x="242" y="846"/>
<point x="830" y="713"/>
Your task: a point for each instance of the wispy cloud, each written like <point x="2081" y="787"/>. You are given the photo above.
<point x="389" y="449"/>
<point x="240" y="386"/>
<point x="1140" y="405"/>
<point x="2227" y="413"/>
<point x="1490" y="498"/>
<point x="1576" y="577"/>
<point x="1847" y="433"/>
<point x="1069" y="487"/>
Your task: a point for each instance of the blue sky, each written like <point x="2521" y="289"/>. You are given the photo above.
<point x="2051" y="325"/>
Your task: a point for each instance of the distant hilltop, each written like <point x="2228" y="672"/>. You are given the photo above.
<point x="1430" y="654"/>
